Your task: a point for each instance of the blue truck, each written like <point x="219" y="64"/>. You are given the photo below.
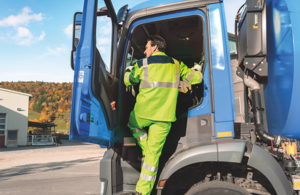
<point x="206" y="152"/>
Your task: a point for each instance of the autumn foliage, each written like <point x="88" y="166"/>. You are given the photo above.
<point x="49" y="99"/>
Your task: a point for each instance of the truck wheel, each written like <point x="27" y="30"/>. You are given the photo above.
<point x="217" y="188"/>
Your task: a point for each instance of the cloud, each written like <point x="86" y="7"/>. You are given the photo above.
<point x="22" y="36"/>
<point x="105" y="30"/>
<point x="103" y="19"/>
<point x="109" y="23"/>
<point x="22" y="19"/>
<point x="2" y="37"/>
<point x="103" y="41"/>
<point x="56" y="51"/>
<point x="25" y="37"/>
<point x="69" y="30"/>
<point x="102" y="50"/>
<point x="105" y="25"/>
<point x="41" y="37"/>
<point x="24" y="32"/>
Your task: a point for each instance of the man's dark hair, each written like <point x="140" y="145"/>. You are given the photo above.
<point x="158" y="41"/>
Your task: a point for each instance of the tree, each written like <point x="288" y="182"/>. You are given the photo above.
<point x="48" y="98"/>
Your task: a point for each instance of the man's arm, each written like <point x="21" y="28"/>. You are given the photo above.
<point x="132" y="77"/>
<point x="190" y="75"/>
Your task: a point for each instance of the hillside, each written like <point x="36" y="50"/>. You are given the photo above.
<point x="48" y="100"/>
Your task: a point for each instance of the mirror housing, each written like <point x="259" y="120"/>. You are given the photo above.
<point x="122" y="13"/>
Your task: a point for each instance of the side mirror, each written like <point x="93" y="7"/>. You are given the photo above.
<point x="122" y="13"/>
<point x="76" y="35"/>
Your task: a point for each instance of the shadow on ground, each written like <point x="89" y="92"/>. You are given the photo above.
<point x="5" y="174"/>
<point x="64" y="143"/>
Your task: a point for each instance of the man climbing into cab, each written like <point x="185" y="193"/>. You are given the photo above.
<point x="159" y="77"/>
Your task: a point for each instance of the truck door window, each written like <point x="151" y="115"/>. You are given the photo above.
<point x="77" y="28"/>
<point x="103" y="39"/>
<point x="77" y="34"/>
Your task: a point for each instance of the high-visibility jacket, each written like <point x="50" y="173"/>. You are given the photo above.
<point x="159" y="76"/>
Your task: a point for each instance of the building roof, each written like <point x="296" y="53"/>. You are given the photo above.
<point x="40" y="125"/>
<point x="11" y="91"/>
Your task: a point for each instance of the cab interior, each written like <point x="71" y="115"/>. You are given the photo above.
<point x="185" y="38"/>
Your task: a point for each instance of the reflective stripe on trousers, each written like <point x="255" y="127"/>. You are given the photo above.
<point x="146" y="84"/>
<point x="141" y="137"/>
<point x="149" y="168"/>
<point x="136" y="130"/>
<point x="147" y="177"/>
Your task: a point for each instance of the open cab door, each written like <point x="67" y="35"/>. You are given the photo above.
<point x="95" y="86"/>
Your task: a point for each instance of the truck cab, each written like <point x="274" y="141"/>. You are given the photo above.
<point x="205" y="152"/>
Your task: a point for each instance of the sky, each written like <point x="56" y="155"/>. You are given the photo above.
<point x="36" y="37"/>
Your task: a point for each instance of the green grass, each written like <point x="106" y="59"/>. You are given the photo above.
<point x="62" y="131"/>
<point x="34" y="115"/>
<point x="60" y="122"/>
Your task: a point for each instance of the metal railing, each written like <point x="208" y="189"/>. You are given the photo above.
<point x="41" y="140"/>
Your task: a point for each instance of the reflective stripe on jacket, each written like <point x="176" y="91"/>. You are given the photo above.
<point x="159" y="77"/>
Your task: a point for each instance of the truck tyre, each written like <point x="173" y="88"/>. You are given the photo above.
<point x="217" y="188"/>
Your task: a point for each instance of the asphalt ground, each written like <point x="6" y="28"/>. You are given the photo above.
<point x="70" y="168"/>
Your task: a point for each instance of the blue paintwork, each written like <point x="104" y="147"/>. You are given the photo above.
<point x="282" y="93"/>
<point x="152" y="3"/>
<point x="222" y="73"/>
<point x="205" y="106"/>
<point x="83" y="101"/>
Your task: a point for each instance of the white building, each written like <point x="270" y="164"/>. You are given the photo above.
<point x="14" y="107"/>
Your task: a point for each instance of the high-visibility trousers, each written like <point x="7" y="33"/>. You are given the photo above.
<point x="152" y="145"/>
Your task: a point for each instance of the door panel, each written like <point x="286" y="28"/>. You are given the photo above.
<point x="12" y="138"/>
<point x="104" y="87"/>
<point x="94" y="88"/>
